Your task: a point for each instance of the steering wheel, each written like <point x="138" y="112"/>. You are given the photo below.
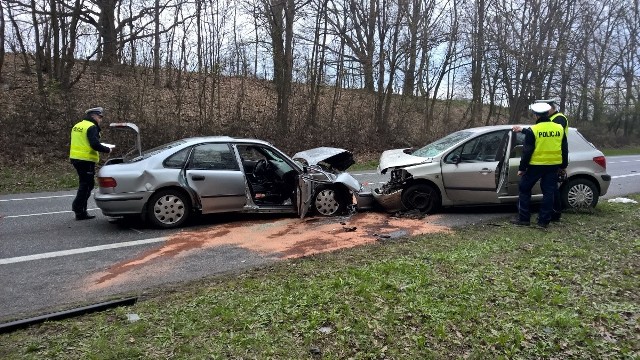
<point x="262" y="168"/>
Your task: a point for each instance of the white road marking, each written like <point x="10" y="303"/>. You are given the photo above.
<point x="48" y="213"/>
<point x="622" y="161"/>
<point x="39" y="197"/>
<point x="53" y="254"/>
<point x="623" y="176"/>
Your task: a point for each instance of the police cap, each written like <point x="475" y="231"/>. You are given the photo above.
<point x="553" y="102"/>
<point x="96" y="110"/>
<point x="540" y="107"/>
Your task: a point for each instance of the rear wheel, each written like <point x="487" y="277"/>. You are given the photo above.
<point x="422" y="197"/>
<point x="168" y="209"/>
<point x="329" y="201"/>
<point x="579" y="193"/>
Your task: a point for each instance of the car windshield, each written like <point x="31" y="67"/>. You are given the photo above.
<point x="156" y="150"/>
<point x="440" y="145"/>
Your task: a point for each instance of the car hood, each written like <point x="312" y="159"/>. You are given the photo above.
<point x="339" y="159"/>
<point x="399" y="158"/>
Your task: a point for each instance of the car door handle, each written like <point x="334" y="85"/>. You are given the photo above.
<point x="486" y="171"/>
<point x="197" y="177"/>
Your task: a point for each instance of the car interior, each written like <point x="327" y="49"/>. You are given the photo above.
<point x="271" y="180"/>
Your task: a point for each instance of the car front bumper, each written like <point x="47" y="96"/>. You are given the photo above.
<point x="391" y="202"/>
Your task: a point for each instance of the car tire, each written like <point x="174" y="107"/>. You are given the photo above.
<point x="579" y="193"/>
<point x="329" y="201"/>
<point x="422" y="197"/>
<point x="168" y="209"/>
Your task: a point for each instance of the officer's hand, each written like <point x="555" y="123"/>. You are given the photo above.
<point x="520" y="173"/>
<point x="562" y="175"/>
<point x="516" y="128"/>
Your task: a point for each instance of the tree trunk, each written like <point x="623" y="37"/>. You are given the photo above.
<point x="1" y="39"/>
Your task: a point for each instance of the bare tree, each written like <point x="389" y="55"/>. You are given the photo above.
<point x="280" y="16"/>
<point x="477" y="58"/>
<point x="1" y="39"/>
<point x="358" y="30"/>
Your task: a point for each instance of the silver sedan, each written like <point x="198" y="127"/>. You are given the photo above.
<point x="216" y="174"/>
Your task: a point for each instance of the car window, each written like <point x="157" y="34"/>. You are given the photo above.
<point x="440" y="145"/>
<point x="177" y="160"/>
<point x="213" y="157"/>
<point x="483" y="148"/>
<point x="157" y="150"/>
<point x="250" y="153"/>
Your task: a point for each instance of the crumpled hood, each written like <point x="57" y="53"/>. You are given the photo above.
<point x="398" y="158"/>
<point x="339" y="159"/>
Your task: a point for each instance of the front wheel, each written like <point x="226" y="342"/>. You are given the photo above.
<point x="579" y="193"/>
<point x="329" y="201"/>
<point x="422" y="197"/>
<point x="168" y="209"/>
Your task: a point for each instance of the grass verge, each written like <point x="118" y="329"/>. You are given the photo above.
<point x="486" y="291"/>
<point x="37" y="176"/>
<point x="622" y="151"/>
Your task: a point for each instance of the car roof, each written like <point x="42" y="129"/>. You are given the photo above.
<point x="481" y="129"/>
<point x="201" y="139"/>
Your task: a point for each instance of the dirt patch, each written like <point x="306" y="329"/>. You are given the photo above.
<point x="279" y="239"/>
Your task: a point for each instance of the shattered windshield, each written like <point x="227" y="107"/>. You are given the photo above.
<point x="156" y="150"/>
<point x="440" y="145"/>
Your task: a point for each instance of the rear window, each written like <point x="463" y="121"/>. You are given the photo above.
<point x="157" y="150"/>
<point x="577" y="142"/>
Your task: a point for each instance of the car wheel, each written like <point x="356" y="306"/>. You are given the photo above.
<point x="579" y="193"/>
<point x="329" y="201"/>
<point x="168" y="209"/>
<point x="422" y="197"/>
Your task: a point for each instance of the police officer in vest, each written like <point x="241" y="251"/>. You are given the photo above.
<point x="545" y="152"/>
<point x="559" y="118"/>
<point x="85" y="145"/>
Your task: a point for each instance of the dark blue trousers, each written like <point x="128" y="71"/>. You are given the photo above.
<point x="557" y="203"/>
<point x="86" y="171"/>
<point x="548" y="176"/>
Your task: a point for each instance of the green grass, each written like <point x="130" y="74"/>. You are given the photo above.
<point x="37" y="176"/>
<point x="484" y="292"/>
<point x="622" y="151"/>
<point x="365" y="165"/>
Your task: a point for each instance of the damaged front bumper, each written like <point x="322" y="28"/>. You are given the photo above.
<point x="390" y="194"/>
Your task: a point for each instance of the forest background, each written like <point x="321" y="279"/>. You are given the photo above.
<point x="365" y="75"/>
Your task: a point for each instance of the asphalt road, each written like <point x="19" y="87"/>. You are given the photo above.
<point x="47" y="259"/>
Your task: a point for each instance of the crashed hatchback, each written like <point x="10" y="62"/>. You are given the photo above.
<point x="217" y="174"/>
<point x="480" y="166"/>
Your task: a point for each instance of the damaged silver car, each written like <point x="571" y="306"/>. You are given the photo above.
<point x="218" y="174"/>
<point x="479" y="166"/>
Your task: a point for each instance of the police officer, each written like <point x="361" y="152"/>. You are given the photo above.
<point x="85" y="145"/>
<point x="559" y="118"/>
<point x="544" y="153"/>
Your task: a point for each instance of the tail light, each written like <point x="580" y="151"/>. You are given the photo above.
<point x="107" y="182"/>
<point x="601" y="160"/>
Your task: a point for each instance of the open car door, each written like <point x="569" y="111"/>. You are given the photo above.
<point x="304" y="193"/>
<point x="502" y="172"/>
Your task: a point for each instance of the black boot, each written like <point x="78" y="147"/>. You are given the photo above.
<point x="84" y="216"/>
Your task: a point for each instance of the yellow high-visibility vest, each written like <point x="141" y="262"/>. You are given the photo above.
<point x="548" y="149"/>
<point x="80" y="148"/>
<point x="566" y="128"/>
